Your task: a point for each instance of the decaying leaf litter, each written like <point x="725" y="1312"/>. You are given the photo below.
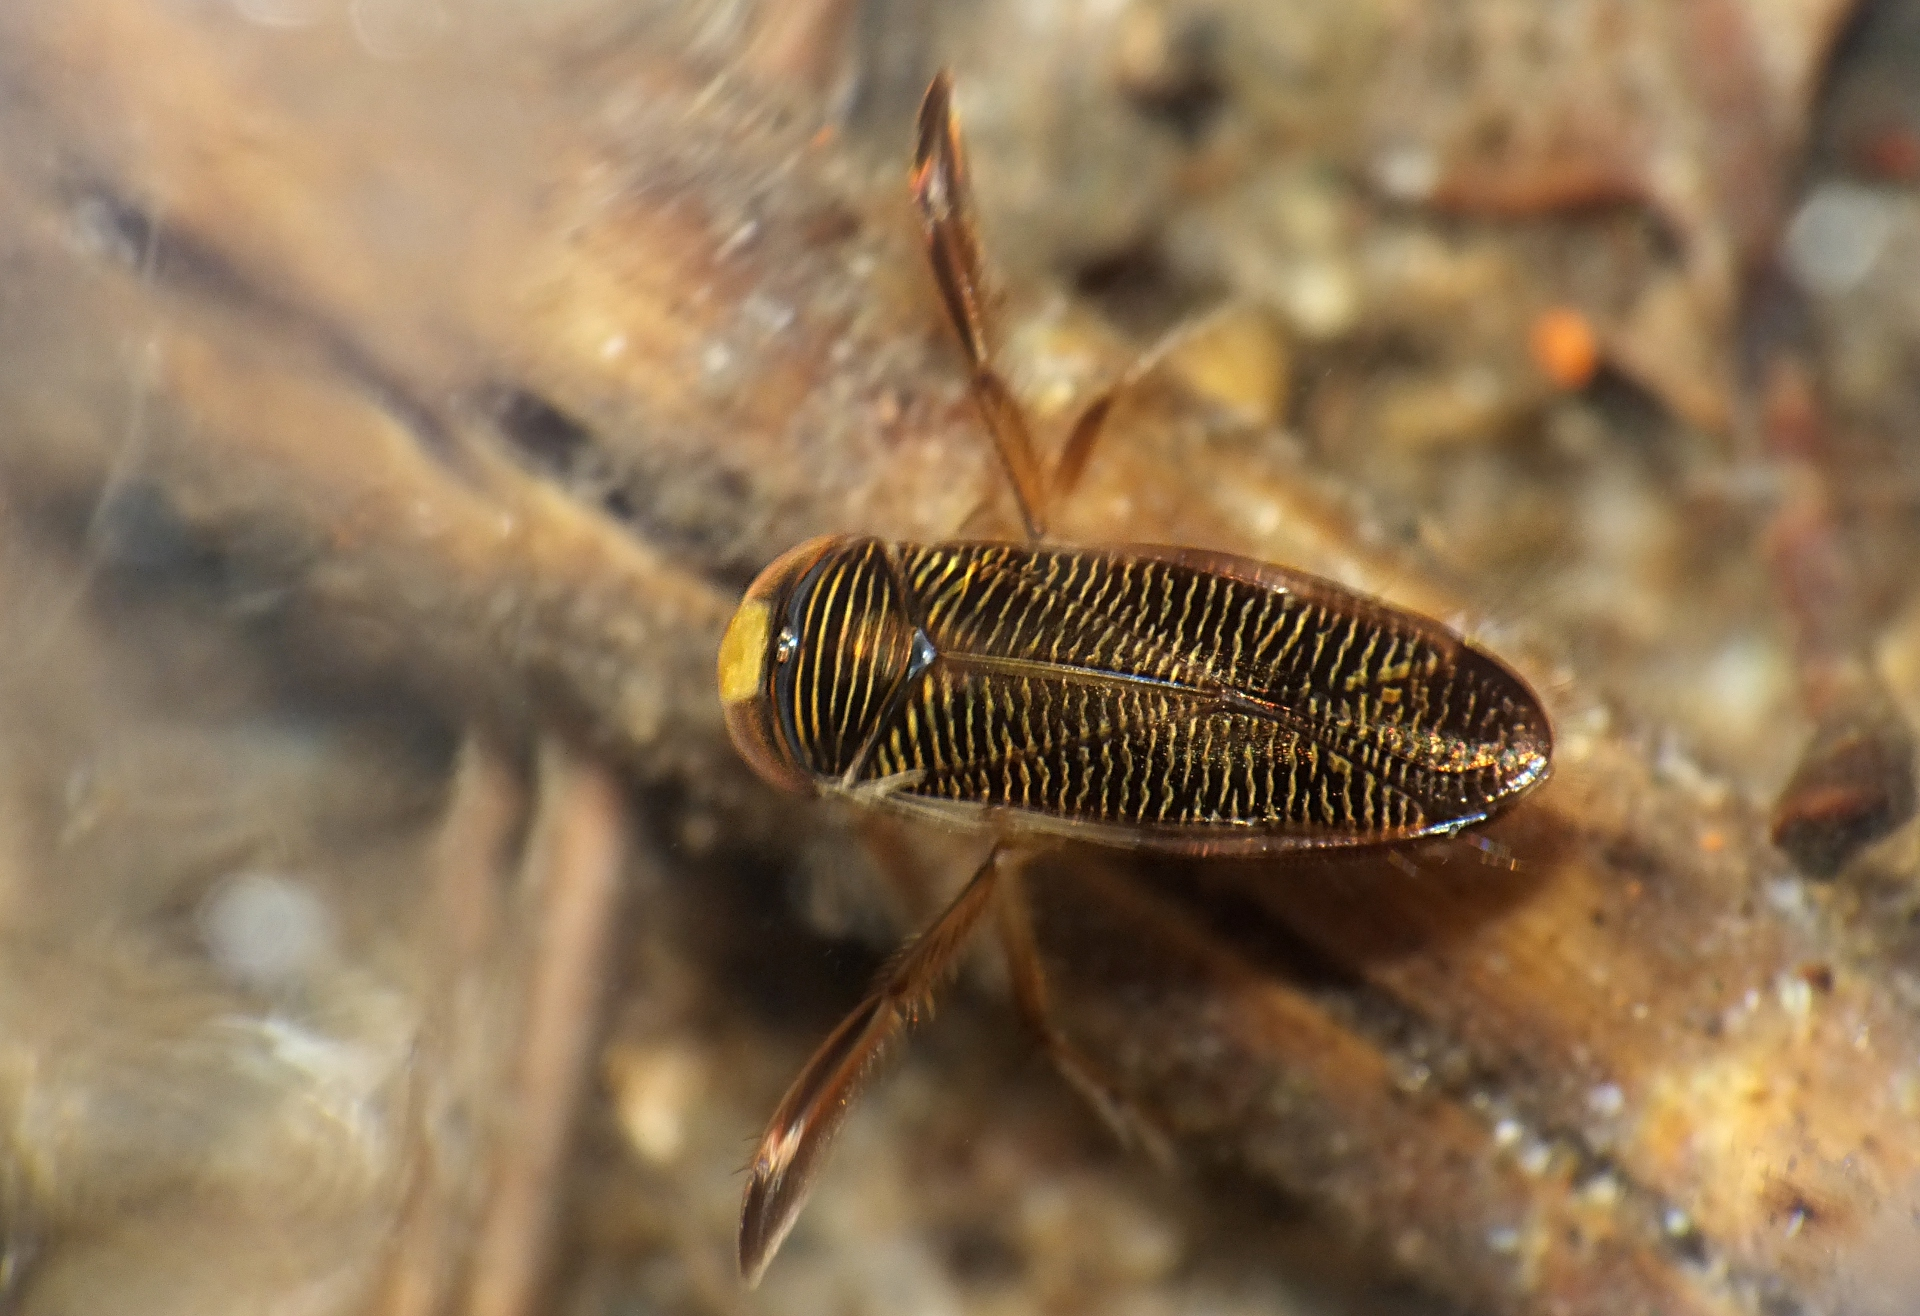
<point x="407" y="405"/>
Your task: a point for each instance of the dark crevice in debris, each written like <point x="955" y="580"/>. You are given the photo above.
<point x="553" y="442"/>
<point x="170" y="256"/>
<point x="1186" y="90"/>
<point x="690" y="515"/>
<point x="1138" y="289"/>
<point x="1866" y="120"/>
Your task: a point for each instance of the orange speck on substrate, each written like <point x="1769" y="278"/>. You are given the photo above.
<point x="1563" y="344"/>
<point x="1713" y="841"/>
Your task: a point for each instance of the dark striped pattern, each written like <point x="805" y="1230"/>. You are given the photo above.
<point x="849" y="647"/>
<point x="1174" y="696"/>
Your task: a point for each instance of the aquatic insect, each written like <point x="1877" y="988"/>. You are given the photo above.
<point x="1152" y="697"/>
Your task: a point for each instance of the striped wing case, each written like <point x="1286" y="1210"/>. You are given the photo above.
<point x="1146" y="696"/>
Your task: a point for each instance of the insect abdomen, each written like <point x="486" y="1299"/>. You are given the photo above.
<point x="1126" y="755"/>
<point x="1170" y="698"/>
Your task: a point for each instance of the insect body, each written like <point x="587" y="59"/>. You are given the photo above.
<point x="1153" y="697"/>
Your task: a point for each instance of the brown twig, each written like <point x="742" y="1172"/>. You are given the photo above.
<point x="574" y="857"/>
<point x="458" y="1065"/>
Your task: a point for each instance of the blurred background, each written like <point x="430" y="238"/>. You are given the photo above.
<point x="397" y="395"/>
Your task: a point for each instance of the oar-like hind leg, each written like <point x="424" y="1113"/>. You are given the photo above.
<point x="790" y="1151"/>
<point x="784" y="1163"/>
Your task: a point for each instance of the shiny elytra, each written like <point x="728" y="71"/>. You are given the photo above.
<point x="1143" y="696"/>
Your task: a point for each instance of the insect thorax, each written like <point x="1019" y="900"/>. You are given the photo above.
<point x="845" y="650"/>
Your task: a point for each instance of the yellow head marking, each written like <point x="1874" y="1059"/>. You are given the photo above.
<point x="743" y="652"/>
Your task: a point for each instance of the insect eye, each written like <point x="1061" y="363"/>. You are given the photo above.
<point x="783" y="647"/>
